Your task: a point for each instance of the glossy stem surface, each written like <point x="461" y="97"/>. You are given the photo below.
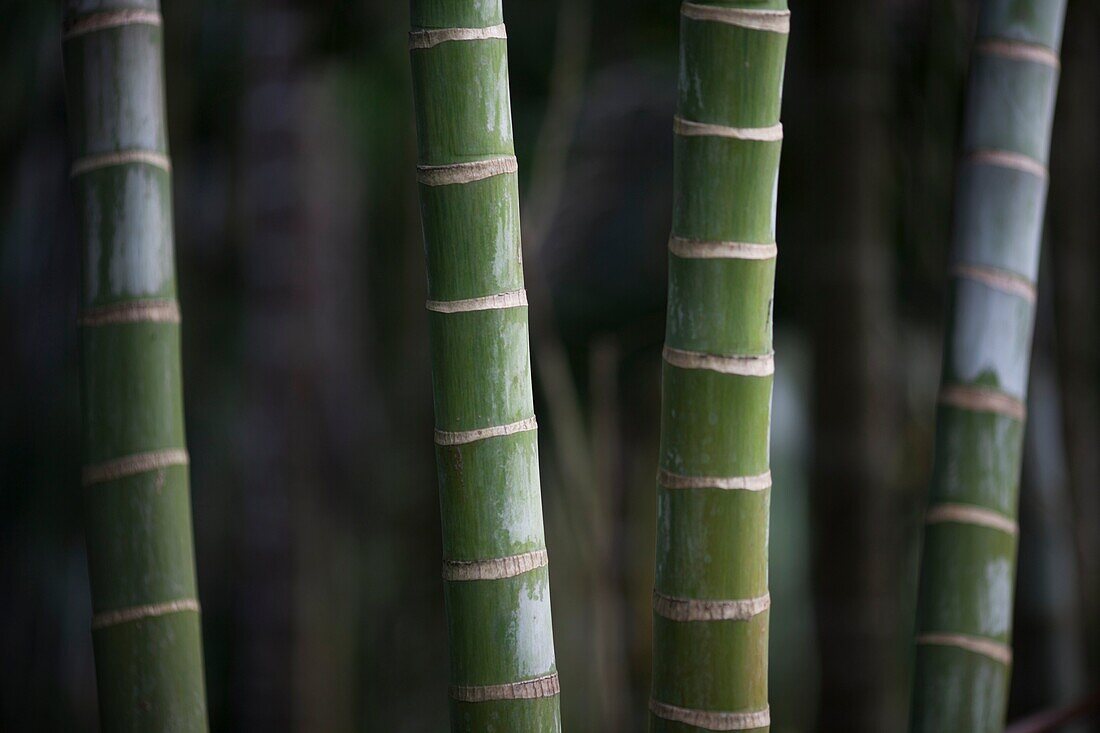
<point x="146" y="631"/>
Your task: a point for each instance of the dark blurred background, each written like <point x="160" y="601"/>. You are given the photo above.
<point x="309" y="407"/>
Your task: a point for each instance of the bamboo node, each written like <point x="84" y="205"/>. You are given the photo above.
<point x="497" y="568"/>
<point x="122" y="157"/>
<point x="970" y="514"/>
<point x="136" y="613"/>
<point x="995" y="650"/>
<point x="762" y="365"/>
<point x="998" y="279"/>
<point x="461" y="437"/>
<point x="687" y="128"/>
<point x="712" y="719"/>
<point x="759" y="482"/>
<point x="1018" y="51"/>
<point x="111" y="19"/>
<point x="138" y="311"/>
<point x="982" y="399"/>
<point x="545" y="686"/>
<point x="133" y="465"/>
<point x="476" y="170"/>
<point x="1007" y="159"/>
<point x="774" y="21"/>
<point x="500" y="301"/>
<point x="698" y="249"/>
<point x="421" y="38"/>
<point x="692" y="609"/>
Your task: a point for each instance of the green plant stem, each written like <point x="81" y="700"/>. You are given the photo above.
<point x="711" y="597"/>
<point x="503" y="673"/>
<point x="146" y="631"/>
<point x="968" y="564"/>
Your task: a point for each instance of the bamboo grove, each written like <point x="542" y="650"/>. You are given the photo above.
<point x="148" y="649"/>
<point x="969" y="557"/>
<point x="711" y="600"/>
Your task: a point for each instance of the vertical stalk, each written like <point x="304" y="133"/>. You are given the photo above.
<point x="969" y="559"/>
<point x="146" y="625"/>
<point x="496" y="580"/>
<point x="711" y="597"/>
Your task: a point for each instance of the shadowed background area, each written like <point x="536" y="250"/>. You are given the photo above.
<point x="308" y="393"/>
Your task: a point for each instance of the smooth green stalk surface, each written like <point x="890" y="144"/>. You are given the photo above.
<point x="968" y="566"/>
<point x="712" y="539"/>
<point x="499" y="628"/>
<point x="148" y="647"/>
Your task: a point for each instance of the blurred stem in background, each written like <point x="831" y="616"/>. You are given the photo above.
<point x="710" y="601"/>
<point x="503" y="671"/>
<point x="1049" y="653"/>
<point x="858" y="548"/>
<point x="585" y="452"/>
<point x="1075" y="231"/>
<point x="146" y="629"/>
<point x="968" y="562"/>
<point x="273" y="443"/>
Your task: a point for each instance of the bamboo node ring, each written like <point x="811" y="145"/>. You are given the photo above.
<point x="421" y="38"/>
<point x="712" y="719"/>
<point x="1018" y="51"/>
<point x="133" y="465"/>
<point x="998" y="279"/>
<point x="136" y="613"/>
<point x="91" y="163"/>
<point x="461" y="437"/>
<point x="995" y="650"/>
<point x="982" y="399"/>
<point x="499" y="301"/>
<point x="775" y="21"/>
<point x="699" y="249"/>
<point x="687" y="128"/>
<point x="971" y="515"/>
<point x="1007" y="159"/>
<point x="692" y="609"/>
<point x="475" y="170"/>
<point x="545" y="686"/>
<point x="497" y="568"/>
<point x="762" y="365"/>
<point x="138" y="311"/>
<point x="110" y="19"/>
<point x="759" y="482"/>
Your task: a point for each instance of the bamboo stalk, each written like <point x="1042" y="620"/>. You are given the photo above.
<point x="503" y="673"/>
<point x="711" y="596"/>
<point x="146" y="630"/>
<point x="968" y="566"/>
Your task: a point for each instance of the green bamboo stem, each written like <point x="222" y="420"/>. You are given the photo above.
<point x="146" y="632"/>
<point x="969" y="559"/>
<point x="496" y="581"/>
<point x="711" y="601"/>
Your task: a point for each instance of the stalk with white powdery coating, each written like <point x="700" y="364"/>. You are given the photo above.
<point x="968" y="564"/>
<point x="711" y="597"/>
